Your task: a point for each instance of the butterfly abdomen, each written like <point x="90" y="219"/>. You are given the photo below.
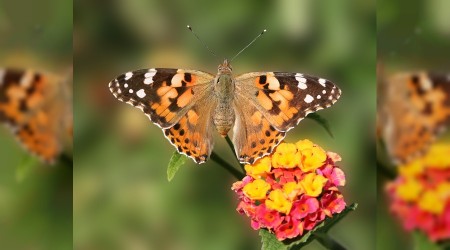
<point x="223" y="116"/>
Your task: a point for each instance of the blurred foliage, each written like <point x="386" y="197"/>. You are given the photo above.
<point x="416" y="37"/>
<point x="122" y="199"/>
<point x="35" y="199"/>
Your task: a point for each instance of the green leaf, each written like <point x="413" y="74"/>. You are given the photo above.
<point x="322" y="121"/>
<point x="421" y="242"/>
<point x="270" y="242"/>
<point x="319" y="231"/>
<point x="24" y="168"/>
<point x="176" y="161"/>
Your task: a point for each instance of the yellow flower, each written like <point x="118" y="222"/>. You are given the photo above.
<point x="256" y="190"/>
<point x="259" y="169"/>
<point x="438" y="156"/>
<point x="286" y="156"/>
<point x="312" y="184"/>
<point x="313" y="156"/>
<point x="431" y="202"/>
<point x="443" y="190"/>
<point x="409" y="190"/>
<point x="412" y="169"/>
<point x="304" y="144"/>
<point x="292" y="189"/>
<point x="312" y="159"/>
<point x="278" y="201"/>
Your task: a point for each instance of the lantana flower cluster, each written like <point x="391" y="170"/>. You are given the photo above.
<point x="420" y="195"/>
<point x="292" y="190"/>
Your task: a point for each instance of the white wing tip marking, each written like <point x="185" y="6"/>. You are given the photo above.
<point x="322" y="82"/>
<point x="301" y="81"/>
<point x="141" y="93"/>
<point x="149" y="76"/>
<point x="128" y="75"/>
<point x="308" y="98"/>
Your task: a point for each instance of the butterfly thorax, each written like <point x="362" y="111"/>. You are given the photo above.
<point x="223" y="116"/>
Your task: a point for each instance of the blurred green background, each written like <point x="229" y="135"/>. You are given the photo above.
<point x="412" y="35"/>
<point x="122" y="199"/>
<point x="35" y="200"/>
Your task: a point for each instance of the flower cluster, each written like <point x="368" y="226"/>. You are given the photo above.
<point x="291" y="190"/>
<point x="420" y="195"/>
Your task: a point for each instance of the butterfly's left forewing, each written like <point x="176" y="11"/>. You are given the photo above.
<point x="177" y="100"/>
<point x="278" y="101"/>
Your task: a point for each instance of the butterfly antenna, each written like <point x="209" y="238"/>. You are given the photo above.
<point x="201" y="41"/>
<point x="260" y="34"/>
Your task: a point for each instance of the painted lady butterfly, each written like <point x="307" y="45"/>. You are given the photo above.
<point x="413" y="109"/>
<point x="260" y="106"/>
<point x="38" y="110"/>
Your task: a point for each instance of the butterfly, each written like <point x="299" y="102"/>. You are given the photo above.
<point x="37" y="107"/>
<point x="413" y="110"/>
<point x="188" y="104"/>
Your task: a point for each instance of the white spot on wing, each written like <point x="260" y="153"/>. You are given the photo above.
<point x="309" y="99"/>
<point x="128" y="75"/>
<point x="318" y="97"/>
<point x="322" y="81"/>
<point x="301" y="81"/>
<point x="141" y="93"/>
<point x="130" y="91"/>
<point x="125" y="85"/>
<point x="324" y="92"/>
<point x="149" y="76"/>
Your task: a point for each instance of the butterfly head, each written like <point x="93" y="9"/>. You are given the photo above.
<point x="225" y="67"/>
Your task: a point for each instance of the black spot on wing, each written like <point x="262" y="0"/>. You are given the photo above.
<point x="187" y="77"/>
<point x="262" y="79"/>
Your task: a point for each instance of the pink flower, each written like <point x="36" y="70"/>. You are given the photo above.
<point x="332" y="202"/>
<point x="306" y="205"/>
<point x="290" y="229"/>
<point x="268" y="218"/>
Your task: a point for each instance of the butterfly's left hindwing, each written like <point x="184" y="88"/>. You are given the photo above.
<point x="37" y="108"/>
<point x="278" y="101"/>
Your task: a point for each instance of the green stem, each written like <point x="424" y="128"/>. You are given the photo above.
<point x="328" y="242"/>
<point x="230" y="144"/>
<point x="236" y="173"/>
